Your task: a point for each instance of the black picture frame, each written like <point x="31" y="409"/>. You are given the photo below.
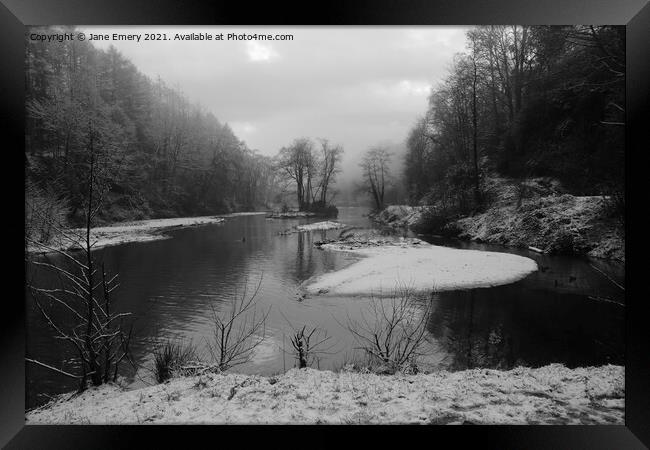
<point x="16" y="14"/>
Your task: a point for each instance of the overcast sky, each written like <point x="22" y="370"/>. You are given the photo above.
<point x="356" y="86"/>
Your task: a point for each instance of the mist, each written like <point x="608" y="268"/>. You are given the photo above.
<point x="356" y="86"/>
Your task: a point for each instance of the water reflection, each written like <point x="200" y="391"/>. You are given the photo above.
<point x="512" y="325"/>
<point x="172" y="285"/>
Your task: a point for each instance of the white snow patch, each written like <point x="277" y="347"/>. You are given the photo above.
<point x="327" y="225"/>
<point x="290" y="214"/>
<point x="137" y="231"/>
<point x="552" y="394"/>
<point x="245" y="213"/>
<point x="419" y="268"/>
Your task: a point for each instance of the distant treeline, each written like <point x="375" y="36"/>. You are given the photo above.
<point x="524" y="101"/>
<point x="157" y="154"/>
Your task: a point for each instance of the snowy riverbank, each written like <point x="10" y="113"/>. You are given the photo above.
<point x="548" y="220"/>
<point x="418" y="266"/>
<point x="561" y="224"/>
<point x="137" y="231"/>
<point x="552" y="394"/>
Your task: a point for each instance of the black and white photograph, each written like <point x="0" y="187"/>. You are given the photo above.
<point x="325" y="225"/>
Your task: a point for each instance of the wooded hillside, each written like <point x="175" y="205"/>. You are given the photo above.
<point x="158" y="155"/>
<point x="522" y="102"/>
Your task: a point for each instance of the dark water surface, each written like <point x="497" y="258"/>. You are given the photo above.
<point x="567" y="312"/>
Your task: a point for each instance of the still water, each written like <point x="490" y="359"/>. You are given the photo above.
<point x="567" y="312"/>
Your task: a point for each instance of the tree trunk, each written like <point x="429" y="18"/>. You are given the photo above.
<point x="477" y="193"/>
<point x="95" y="374"/>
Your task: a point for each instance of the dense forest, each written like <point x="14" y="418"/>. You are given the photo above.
<point x="523" y="102"/>
<point x="156" y="154"/>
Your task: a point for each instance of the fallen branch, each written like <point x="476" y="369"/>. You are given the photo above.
<point x="607" y="276"/>
<point x="606" y="300"/>
<point x="52" y="368"/>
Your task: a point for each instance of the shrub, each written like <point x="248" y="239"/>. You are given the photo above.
<point x="437" y="220"/>
<point x="567" y="242"/>
<point x="170" y="357"/>
<point x="395" y="331"/>
<point x="307" y="345"/>
<point x="237" y="332"/>
<point x="614" y="206"/>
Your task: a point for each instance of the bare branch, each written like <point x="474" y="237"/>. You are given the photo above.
<point x="62" y="372"/>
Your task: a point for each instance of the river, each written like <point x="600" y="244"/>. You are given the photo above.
<point x="567" y="312"/>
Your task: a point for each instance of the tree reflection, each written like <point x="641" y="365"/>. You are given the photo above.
<point x="508" y="326"/>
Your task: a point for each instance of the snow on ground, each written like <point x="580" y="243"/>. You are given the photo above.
<point x="552" y="394"/>
<point x="418" y="266"/>
<point x="137" y="231"/>
<point x="290" y="214"/>
<point x="327" y="225"/>
<point x="245" y="213"/>
<point x="536" y="212"/>
<point x="401" y="215"/>
<point x="564" y="224"/>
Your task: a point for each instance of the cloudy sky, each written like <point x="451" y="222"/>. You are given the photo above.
<point x="355" y="86"/>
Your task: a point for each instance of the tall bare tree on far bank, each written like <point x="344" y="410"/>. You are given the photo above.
<point x="376" y="173"/>
<point x="330" y="165"/>
<point x="293" y="162"/>
<point x="312" y="172"/>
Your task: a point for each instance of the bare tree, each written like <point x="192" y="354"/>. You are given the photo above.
<point x="477" y="191"/>
<point x="238" y="332"/>
<point x="376" y="173"/>
<point x="420" y="144"/>
<point x="89" y="326"/>
<point x="306" y="349"/>
<point x="313" y="172"/>
<point x="296" y="162"/>
<point x="330" y="165"/>
<point x="308" y="344"/>
<point x="394" y="330"/>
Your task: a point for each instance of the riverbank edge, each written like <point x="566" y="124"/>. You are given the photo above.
<point x="566" y="224"/>
<point x="132" y="231"/>
<point x="552" y="394"/>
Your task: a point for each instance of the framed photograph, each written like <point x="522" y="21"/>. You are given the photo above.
<point x="376" y="215"/>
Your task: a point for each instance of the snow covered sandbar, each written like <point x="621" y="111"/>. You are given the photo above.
<point x="419" y="267"/>
<point x="319" y="226"/>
